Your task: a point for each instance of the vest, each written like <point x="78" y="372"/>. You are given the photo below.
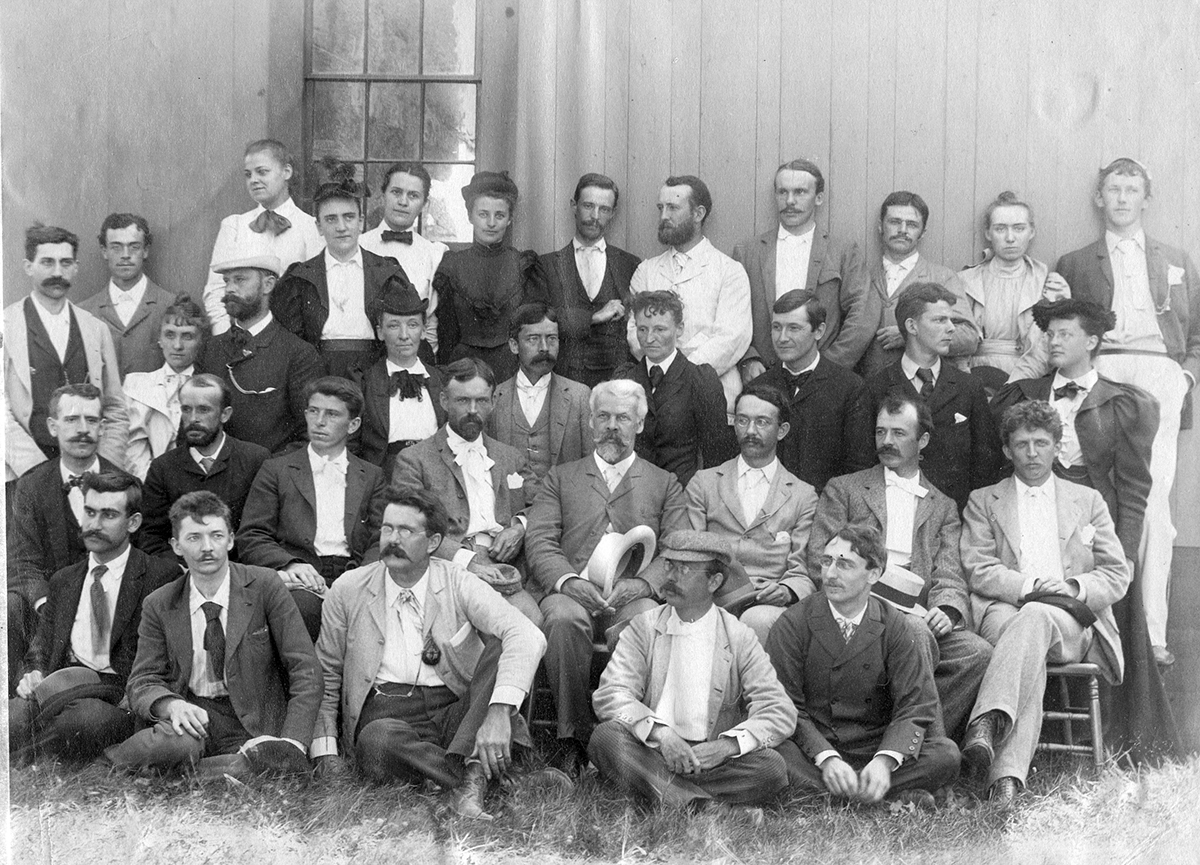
<point x="535" y="440"/>
<point x="605" y="348"/>
<point x="47" y="373"/>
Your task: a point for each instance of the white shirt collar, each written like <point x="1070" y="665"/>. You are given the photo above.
<point x="1087" y="381"/>
<point x="622" y="466"/>
<point x="417" y="368"/>
<point x="697" y="252"/>
<point x="805" y="237"/>
<point x="1024" y="489"/>
<point x="115" y="566"/>
<point x="902" y="266"/>
<point x="679" y="627"/>
<point x="261" y="325"/>
<point x="196" y="599"/>
<point x="910" y="367"/>
<point x="67" y="474"/>
<point x="911" y="485"/>
<point x="839" y="618"/>
<point x="287" y="205"/>
<point x="1112" y="239"/>
<point x="768" y="470"/>
<point x="664" y="364"/>
<point x="197" y="456"/>
<point x="523" y="381"/>
<point x="316" y="461"/>
<point x="600" y="244"/>
<point x="813" y="365"/>
<point x="458" y="443"/>
<point x="165" y="370"/>
<point x="63" y="316"/>
<point x="391" y="591"/>
<point x="331" y="262"/>
<point x="135" y="292"/>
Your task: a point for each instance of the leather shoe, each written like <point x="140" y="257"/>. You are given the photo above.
<point x="1163" y="656"/>
<point x="1004" y="792"/>
<point x="979" y="746"/>
<point x="466" y="800"/>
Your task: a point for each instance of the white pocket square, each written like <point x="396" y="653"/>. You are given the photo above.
<point x="515" y="481"/>
<point x="1087" y="534"/>
<point x="960" y="418"/>
<point x="1174" y="275"/>
<point x="782" y="537"/>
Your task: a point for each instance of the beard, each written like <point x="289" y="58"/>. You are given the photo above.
<point x="200" y="437"/>
<point x="675" y="235"/>
<point x="240" y="310"/>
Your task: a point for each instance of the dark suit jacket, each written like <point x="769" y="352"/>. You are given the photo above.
<point x="271" y="668"/>
<point x="430" y="465"/>
<point x="861" y="499"/>
<point x="574" y="506"/>
<point x="136" y="344"/>
<point x="175" y="473"/>
<point x="685" y="424"/>
<point x="964" y="452"/>
<point x="570" y="417"/>
<point x="1116" y="425"/>
<point x="301" y="299"/>
<point x="587" y="352"/>
<point x="1174" y="285"/>
<point x="44" y="534"/>
<point x="277" y="362"/>
<point x="832" y="426"/>
<point x="871" y="694"/>
<point x="371" y="441"/>
<point x="836" y="275"/>
<point x="280" y="518"/>
<point x="51" y="646"/>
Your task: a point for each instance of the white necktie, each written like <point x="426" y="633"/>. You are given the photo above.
<point x="912" y="485"/>
<point x="591" y="274"/>
<point x="333" y="466"/>
<point x="680" y="260"/>
<point x="756" y="494"/>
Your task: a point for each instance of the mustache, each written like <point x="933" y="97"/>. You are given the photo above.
<point x="544" y="357"/>
<point x="393" y="549"/>
<point x="612" y="437"/>
<point x="890" y="450"/>
<point x="83" y="438"/>
<point x="56" y="280"/>
<point x="94" y="533"/>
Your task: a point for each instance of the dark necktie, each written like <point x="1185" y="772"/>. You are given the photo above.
<point x="1070" y="390"/>
<point x="404" y="237"/>
<point x="239" y="337"/>
<point x="206" y="464"/>
<point x="270" y="222"/>
<point x="656" y="377"/>
<point x="214" y="640"/>
<point x="406" y="384"/>
<point x="100" y="620"/>
<point x="797" y="380"/>
<point x="926" y="377"/>
<point x="72" y="482"/>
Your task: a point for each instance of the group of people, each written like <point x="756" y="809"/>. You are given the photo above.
<point x="830" y="520"/>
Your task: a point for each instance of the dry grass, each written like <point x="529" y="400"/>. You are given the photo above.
<point x="61" y="816"/>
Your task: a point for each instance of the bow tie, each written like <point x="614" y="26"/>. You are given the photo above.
<point x="239" y="337"/>
<point x="1070" y="390"/>
<point x="405" y="383"/>
<point x="912" y="486"/>
<point x="541" y="384"/>
<point x="325" y="464"/>
<point x="405" y="237"/>
<point x="72" y="482"/>
<point x="270" y="222"/>
<point x="797" y="380"/>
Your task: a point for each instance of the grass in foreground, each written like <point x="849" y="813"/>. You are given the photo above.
<point x="1068" y="816"/>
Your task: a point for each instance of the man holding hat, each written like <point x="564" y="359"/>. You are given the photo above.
<point x="266" y="367"/>
<point x="689" y="705"/>
<point x="868" y="723"/>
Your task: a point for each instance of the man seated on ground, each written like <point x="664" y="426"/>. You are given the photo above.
<point x="539" y="412"/>
<point x="689" y="705"/>
<point x="611" y="491"/>
<point x="869" y="723"/>
<point x="153" y="397"/>
<point x="921" y="529"/>
<point x="225" y="675"/>
<point x="314" y="514"/>
<point x="88" y="630"/>
<point x="425" y="665"/>
<point x="480" y="481"/>
<point x="1044" y="566"/>
<point x="43" y="534"/>
<point x="763" y="510"/>
<point x="213" y="460"/>
<point x="685" y="426"/>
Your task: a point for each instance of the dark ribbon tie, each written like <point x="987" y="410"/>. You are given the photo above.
<point x="270" y="222"/>
<point x="406" y="384"/>
<point x="797" y="380"/>
<point x="72" y="482"/>
<point x="214" y="640"/>
<point x="1070" y="390"/>
<point x="404" y="237"/>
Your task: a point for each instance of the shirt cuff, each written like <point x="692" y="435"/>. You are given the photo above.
<point x="325" y="746"/>
<point x="464" y="557"/>
<point x="823" y="756"/>
<point x="524" y="521"/>
<point x="746" y="740"/>
<point x="508" y="695"/>
<point x="1027" y="586"/>
<point x="1082" y="596"/>
<point x="561" y="580"/>
<point x="39" y="603"/>
<point x="895" y="755"/>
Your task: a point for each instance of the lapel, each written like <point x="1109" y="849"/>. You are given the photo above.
<point x="812" y="384"/>
<point x="1105" y="262"/>
<point x="240" y="605"/>
<point x="107" y="312"/>
<point x="568" y="275"/>
<point x="722" y="658"/>
<point x="377" y="603"/>
<point x="672" y="381"/>
<point x="1004" y="514"/>
<point x="820" y="248"/>
<point x="502" y="508"/>
<point x="149" y="393"/>
<point x="74" y="594"/>
<point x="375" y="273"/>
<point x="598" y="483"/>
<point x="376" y="390"/>
<point x="825" y="629"/>
<point x="318" y="277"/>
<point x="178" y="627"/>
<point x="627" y="483"/>
<point x="559" y="400"/>
<point x="1068" y="517"/>
<point x="447" y="455"/>
<point x="727" y="490"/>
<point x="924" y="506"/>
<point x="777" y="496"/>
<point x="356" y="494"/>
<point x="300" y="471"/>
<point x="37" y="332"/>
<point x="17" y="336"/>
<point x="875" y="496"/>
<point x="660" y="660"/>
<point x="149" y="300"/>
<point x="1156" y="274"/>
<point x="507" y="406"/>
<point x="770" y="241"/>
<point x="865" y="635"/>
<point x="435" y="599"/>
<point x="945" y="388"/>
<point x="127" y="597"/>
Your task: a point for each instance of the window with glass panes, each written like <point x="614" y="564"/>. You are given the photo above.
<point x="397" y="81"/>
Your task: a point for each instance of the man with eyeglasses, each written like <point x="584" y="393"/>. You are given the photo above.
<point x="267" y="368"/>
<point x="764" y="511"/>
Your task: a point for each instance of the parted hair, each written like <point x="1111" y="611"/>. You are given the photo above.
<point x="865" y="541"/>
<point x="600" y="181"/>
<point x="768" y="393"/>
<point x="622" y="388"/>
<point x="658" y="302"/>
<point x="467" y="368"/>
<point x="278" y="150"/>
<point x="1005" y="199"/>
<point x="1034" y="414"/>
<point x="339" y="388"/>
<point x="804" y="165"/>
<point x="904" y="198"/>
<point x="117" y="221"/>
<point x="419" y="499"/>
<point x="205" y="380"/>
<point x="83" y="390"/>
<point x="894" y="402"/>
<point x="37" y="234"/>
<point x="416" y="169"/>
<point x="531" y="313"/>
<point x="918" y="297"/>
<point x="699" y="195"/>
<point x="199" y="505"/>
<point x="1127" y="166"/>
<point x="115" y="481"/>
<point x="790" y="301"/>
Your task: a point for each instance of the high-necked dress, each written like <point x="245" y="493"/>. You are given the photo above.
<point x="478" y="289"/>
<point x="1002" y="299"/>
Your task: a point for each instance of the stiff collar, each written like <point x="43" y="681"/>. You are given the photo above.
<point x="523" y="382"/>
<point x="622" y="466"/>
<point x="197" y="456"/>
<point x="196" y="599"/>
<point x="910" y="367"/>
<point x="768" y="470"/>
<point x="664" y="364"/>
<point x="804" y="237"/>
<point x="600" y="244"/>
<point x="1111" y="239"/>
<point x="331" y="262"/>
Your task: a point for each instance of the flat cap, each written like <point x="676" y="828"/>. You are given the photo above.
<point x="689" y="545"/>
<point x="269" y="263"/>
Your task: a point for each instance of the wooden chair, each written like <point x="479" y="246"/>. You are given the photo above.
<point x="1069" y="715"/>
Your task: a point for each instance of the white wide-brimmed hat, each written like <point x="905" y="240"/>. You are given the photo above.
<point x="614" y="557"/>
<point x="901" y="588"/>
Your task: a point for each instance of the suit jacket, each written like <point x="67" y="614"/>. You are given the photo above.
<point x="1174" y="284"/>
<point x="587" y="352"/>
<point x="882" y="310"/>
<point x="175" y="473"/>
<point x="574" y="507"/>
<point x="271" y="669"/>
<point x="430" y="465"/>
<point x="832" y="425"/>
<point x="570" y="417"/>
<point x="43" y="532"/>
<point x="964" y="451"/>
<point x="1116" y="424"/>
<point x="771" y="547"/>
<point x="280" y="518"/>
<point x="861" y="499"/>
<point x="1034" y="357"/>
<point x="685" y="426"/>
<point x="743" y="693"/>
<point x="991" y="555"/>
<point x="459" y="609"/>
<point x="271" y="374"/>
<point x="836" y="275"/>
<point x="874" y="693"/>
<point x="301" y="299"/>
<point x="51" y="646"/>
<point x="21" y="452"/>
<point x="152" y="431"/>
<point x="371" y="441"/>
<point x="136" y="343"/>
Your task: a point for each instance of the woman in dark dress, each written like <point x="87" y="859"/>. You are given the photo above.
<point x="480" y="287"/>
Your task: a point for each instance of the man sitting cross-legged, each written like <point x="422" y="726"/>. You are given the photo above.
<point x="424" y="663"/>
<point x="762" y="509"/>
<point x="868" y="709"/>
<point x="1044" y="566"/>
<point x="921" y="529"/>
<point x="225" y="673"/>
<point x="689" y="704"/>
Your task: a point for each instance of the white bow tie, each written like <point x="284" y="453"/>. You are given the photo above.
<point x="912" y="486"/>
<point x="337" y="464"/>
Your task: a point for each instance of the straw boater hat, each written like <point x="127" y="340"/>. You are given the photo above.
<point x="901" y="588"/>
<point x="620" y="555"/>
<point x="265" y="262"/>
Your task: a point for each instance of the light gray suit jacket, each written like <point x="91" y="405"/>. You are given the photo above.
<point x="570" y="417"/>
<point x="136" y="342"/>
